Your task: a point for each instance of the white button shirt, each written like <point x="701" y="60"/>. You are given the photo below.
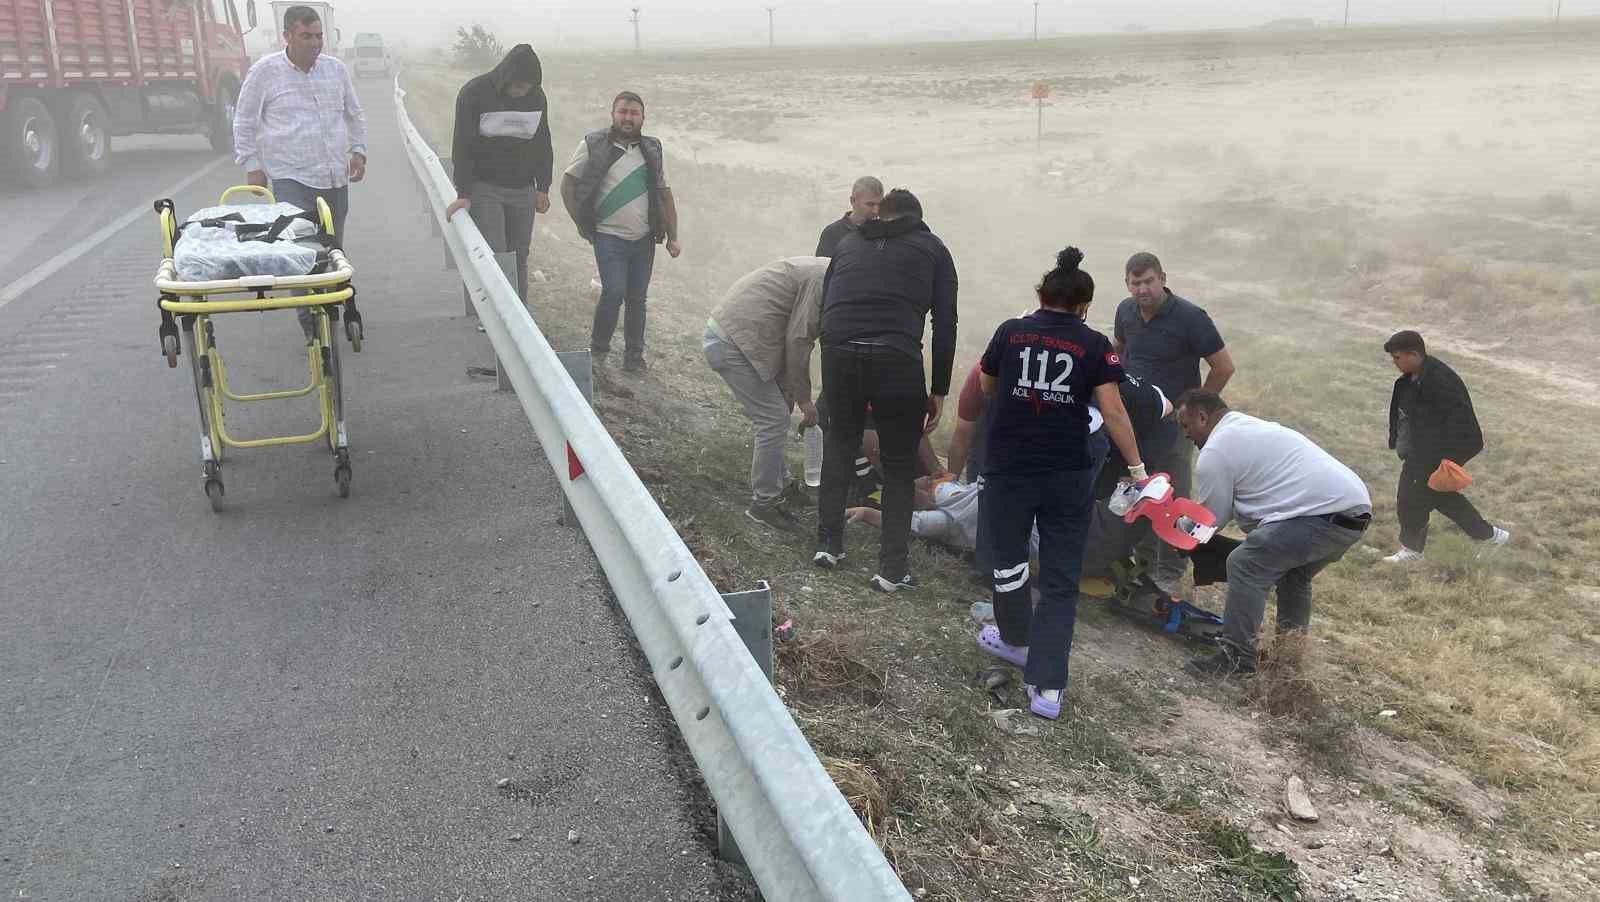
<point x="299" y="125"/>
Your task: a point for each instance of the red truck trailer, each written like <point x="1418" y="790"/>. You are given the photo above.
<point x="73" y="73"/>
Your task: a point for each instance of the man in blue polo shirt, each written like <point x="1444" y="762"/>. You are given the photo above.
<point x="1162" y="338"/>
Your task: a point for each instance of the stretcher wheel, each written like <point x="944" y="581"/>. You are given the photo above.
<point x="352" y="331"/>
<point x="169" y="347"/>
<point x="341" y="475"/>
<point x="214" y="492"/>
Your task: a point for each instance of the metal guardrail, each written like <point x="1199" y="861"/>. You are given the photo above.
<point x="796" y="832"/>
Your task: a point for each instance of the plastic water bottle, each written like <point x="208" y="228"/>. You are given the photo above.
<point x="813" y="439"/>
<point x="1122" y="499"/>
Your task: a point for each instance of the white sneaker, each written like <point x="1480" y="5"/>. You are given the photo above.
<point x="1403" y="556"/>
<point x="1500" y="537"/>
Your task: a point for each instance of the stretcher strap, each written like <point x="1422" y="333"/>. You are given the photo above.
<point x="273" y="232"/>
<point x="260" y="231"/>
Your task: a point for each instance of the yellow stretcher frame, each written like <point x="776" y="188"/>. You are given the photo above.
<point x="197" y="302"/>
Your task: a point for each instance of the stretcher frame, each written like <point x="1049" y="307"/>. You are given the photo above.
<point x="190" y="306"/>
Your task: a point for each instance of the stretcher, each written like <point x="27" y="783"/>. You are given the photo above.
<point x="1125" y="583"/>
<point x="189" y="306"/>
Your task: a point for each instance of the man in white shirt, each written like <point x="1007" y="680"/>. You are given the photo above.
<point x="299" y="127"/>
<point x="1301" y="508"/>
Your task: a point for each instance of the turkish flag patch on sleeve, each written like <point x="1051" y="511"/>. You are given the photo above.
<point x="1113" y="359"/>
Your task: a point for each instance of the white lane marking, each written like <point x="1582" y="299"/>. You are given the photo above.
<point x="62" y="260"/>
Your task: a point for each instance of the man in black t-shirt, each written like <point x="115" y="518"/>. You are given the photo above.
<point x="1163" y="337"/>
<point x="865" y="196"/>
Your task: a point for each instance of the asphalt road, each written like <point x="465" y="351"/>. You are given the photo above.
<point x="303" y="697"/>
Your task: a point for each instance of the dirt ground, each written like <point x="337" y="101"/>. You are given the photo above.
<point x="1314" y="192"/>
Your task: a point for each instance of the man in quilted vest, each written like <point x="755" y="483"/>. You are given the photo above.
<point x="616" y="190"/>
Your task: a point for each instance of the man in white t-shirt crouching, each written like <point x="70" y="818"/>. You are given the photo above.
<point x="1301" y="510"/>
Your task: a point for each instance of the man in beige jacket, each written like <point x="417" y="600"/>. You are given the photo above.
<point x="759" y="341"/>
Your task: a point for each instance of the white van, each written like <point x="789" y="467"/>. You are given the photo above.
<point x="369" y="57"/>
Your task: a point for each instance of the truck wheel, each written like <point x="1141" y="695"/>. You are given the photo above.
<point x="222" y="123"/>
<point x="30" y="143"/>
<point x="86" y="140"/>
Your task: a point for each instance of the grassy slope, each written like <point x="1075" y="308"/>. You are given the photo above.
<point x="1490" y="664"/>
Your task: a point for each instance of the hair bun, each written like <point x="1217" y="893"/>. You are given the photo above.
<point x="1069" y="259"/>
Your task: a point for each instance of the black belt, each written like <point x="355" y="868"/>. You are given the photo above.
<point x="869" y="347"/>
<point x="1359" y="523"/>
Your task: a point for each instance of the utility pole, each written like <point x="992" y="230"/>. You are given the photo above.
<point x="635" y="20"/>
<point x="770" y="42"/>
<point x="1036" y="21"/>
<point x="1558" y="12"/>
<point x="1347" y="13"/>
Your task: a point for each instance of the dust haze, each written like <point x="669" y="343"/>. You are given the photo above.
<point x="1369" y="179"/>
<point x="579" y="23"/>
<point x="1431" y="166"/>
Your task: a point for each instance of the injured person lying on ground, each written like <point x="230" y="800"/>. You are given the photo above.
<point x="943" y="510"/>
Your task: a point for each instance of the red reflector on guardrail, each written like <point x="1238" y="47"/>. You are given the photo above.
<point x="574" y="466"/>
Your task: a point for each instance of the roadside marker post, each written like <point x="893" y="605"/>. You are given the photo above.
<point x="1041" y="92"/>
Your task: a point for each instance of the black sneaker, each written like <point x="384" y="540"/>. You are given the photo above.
<point x="826" y="559"/>
<point x="773" y="515"/>
<point x="1226" y="661"/>
<point x="634" y="365"/>
<point x="903" y="584"/>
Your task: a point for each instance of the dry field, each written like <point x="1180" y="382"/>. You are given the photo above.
<point x="1314" y="192"/>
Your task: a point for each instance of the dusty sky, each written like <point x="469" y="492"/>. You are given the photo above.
<point x="577" y="23"/>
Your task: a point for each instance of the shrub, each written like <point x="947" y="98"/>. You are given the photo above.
<point x="477" y="48"/>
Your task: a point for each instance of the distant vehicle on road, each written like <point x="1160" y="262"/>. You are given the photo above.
<point x="369" y="56"/>
<point x="74" y="74"/>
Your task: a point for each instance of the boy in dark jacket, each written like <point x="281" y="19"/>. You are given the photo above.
<point x="1431" y="420"/>
<point x="502" y="156"/>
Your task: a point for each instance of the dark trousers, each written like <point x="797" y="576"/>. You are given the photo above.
<point x="505" y="217"/>
<point x="625" y="268"/>
<point x="289" y="191"/>
<point x="1060" y="504"/>
<point x="892" y="382"/>
<point x="1415" y="503"/>
<point x="1099" y="447"/>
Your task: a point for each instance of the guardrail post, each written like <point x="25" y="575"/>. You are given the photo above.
<point x="752" y="620"/>
<point x="580" y="367"/>
<point x="508" y="265"/>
